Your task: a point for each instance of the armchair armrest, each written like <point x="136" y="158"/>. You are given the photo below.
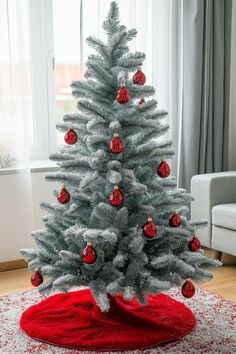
<point x="209" y="190"/>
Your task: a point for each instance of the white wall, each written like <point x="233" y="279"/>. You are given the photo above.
<point x="20" y="211"/>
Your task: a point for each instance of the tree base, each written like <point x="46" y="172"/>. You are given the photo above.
<point x="73" y="320"/>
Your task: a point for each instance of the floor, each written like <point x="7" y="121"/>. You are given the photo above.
<point x="223" y="283"/>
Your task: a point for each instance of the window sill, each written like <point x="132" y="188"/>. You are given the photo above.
<point x="33" y="166"/>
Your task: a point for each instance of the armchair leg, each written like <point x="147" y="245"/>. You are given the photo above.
<point x="217" y="255"/>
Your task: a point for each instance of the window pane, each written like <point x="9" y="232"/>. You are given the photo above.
<point x="66" y="20"/>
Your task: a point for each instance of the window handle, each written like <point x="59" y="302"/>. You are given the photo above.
<point x="53" y="63"/>
<point x="52" y="58"/>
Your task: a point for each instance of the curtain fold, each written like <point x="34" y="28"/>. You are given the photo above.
<point x="206" y="41"/>
<point x="16" y="133"/>
<point x="16" y="123"/>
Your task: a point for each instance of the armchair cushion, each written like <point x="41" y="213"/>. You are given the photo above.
<point x="209" y="190"/>
<point x="224" y="215"/>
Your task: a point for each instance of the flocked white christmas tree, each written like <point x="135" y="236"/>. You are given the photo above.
<point x="118" y="224"/>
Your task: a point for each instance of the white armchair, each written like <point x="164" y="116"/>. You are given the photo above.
<point x="215" y="201"/>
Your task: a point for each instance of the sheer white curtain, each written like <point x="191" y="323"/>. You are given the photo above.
<point x="16" y="123"/>
<point x="16" y="131"/>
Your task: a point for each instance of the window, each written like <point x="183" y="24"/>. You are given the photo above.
<point x="67" y="54"/>
<point x="44" y="49"/>
<point x="60" y="28"/>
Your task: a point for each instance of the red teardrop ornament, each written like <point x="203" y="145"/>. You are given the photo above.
<point x="63" y="196"/>
<point x="141" y="101"/>
<point x="123" y="95"/>
<point x="116" y="146"/>
<point x="194" y="244"/>
<point x="163" y="169"/>
<point x="36" y="279"/>
<point x="116" y="198"/>
<point x="71" y="137"/>
<point x="149" y="229"/>
<point x="139" y="78"/>
<point x="188" y="289"/>
<point x="175" y="220"/>
<point x="89" y="254"/>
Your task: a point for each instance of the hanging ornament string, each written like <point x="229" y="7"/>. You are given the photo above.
<point x="141" y="101"/>
<point x="163" y="169"/>
<point x="36" y="278"/>
<point x="123" y="95"/>
<point x="116" y="145"/>
<point x="89" y="254"/>
<point x="63" y="196"/>
<point x="71" y="137"/>
<point x="194" y="244"/>
<point x="116" y="198"/>
<point x="149" y="229"/>
<point x="139" y="78"/>
<point x="175" y="220"/>
<point x="188" y="289"/>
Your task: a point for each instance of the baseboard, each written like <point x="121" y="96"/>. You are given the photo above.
<point x="12" y="265"/>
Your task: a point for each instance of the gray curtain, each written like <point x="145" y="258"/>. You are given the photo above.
<point x="206" y="37"/>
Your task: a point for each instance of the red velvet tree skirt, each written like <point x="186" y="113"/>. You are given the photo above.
<point x="73" y="320"/>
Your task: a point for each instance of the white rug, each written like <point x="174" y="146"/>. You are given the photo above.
<point x="215" y="331"/>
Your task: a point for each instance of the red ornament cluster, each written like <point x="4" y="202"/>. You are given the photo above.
<point x="89" y="254"/>
<point x="188" y="289"/>
<point x="139" y="78"/>
<point x="36" y="279"/>
<point x="71" y="137"/>
<point x="149" y="229"/>
<point x="116" y="145"/>
<point x="116" y="198"/>
<point x="163" y="169"/>
<point x="194" y="244"/>
<point x="63" y="196"/>
<point x="123" y="95"/>
<point x="175" y="220"/>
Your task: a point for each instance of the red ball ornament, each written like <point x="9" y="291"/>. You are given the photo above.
<point x="116" y="146"/>
<point x="116" y="198"/>
<point x="36" y="279"/>
<point x="175" y="220"/>
<point x="149" y="229"/>
<point x="71" y="137"/>
<point x="139" y="78"/>
<point x="194" y="244"/>
<point x="163" y="169"/>
<point x="188" y="289"/>
<point x="63" y="196"/>
<point x="141" y="101"/>
<point x="89" y="254"/>
<point x="123" y="95"/>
